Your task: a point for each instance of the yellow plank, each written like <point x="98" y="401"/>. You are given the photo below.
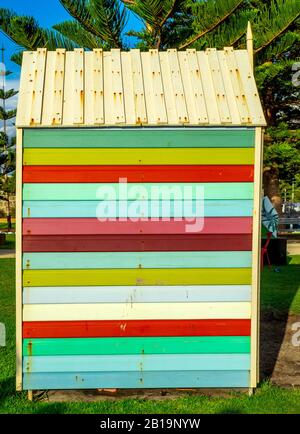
<point x="197" y="87"/>
<point x="128" y="311"/>
<point x="38" y="86"/>
<point x="256" y="248"/>
<point x="138" y="87"/>
<point x="117" y="87"/>
<point x="58" y="87"/>
<point x="150" y="276"/>
<point x="19" y="259"/>
<point x="178" y="91"/>
<point x="78" y="95"/>
<point x="78" y="156"/>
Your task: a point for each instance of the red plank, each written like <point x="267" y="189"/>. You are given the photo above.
<point x="136" y="243"/>
<point x="113" y="328"/>
<point x="138" y="173"/>
<point x="86" y="226"/>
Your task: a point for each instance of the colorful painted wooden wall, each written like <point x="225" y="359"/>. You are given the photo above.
<point x="131" y="302"/>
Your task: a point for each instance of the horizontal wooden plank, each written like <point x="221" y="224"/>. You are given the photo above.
<point x="175" y="173"/>
<point x="140" y="138"/>
<point x="146" y="276"/>
<point x="131" y="328"/>
<point x="110" y="260"/>
<point x="137" y="363"/>
<point x="86" y="226"/>
<point x="136" y="380"/>
<point x="135" y="294"/>
<point x="137" y="345"/>
<point x="78" y="156"/>
<point x="137" y="191"/>
<point x="137" y="209"/>
<point x="115" y="311"/>
<point x="128" y="243"/>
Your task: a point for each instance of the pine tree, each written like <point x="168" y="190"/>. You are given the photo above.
<point x="7" y="148"/>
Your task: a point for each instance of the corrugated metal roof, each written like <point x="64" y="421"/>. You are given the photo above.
<point x="114" y="88"/>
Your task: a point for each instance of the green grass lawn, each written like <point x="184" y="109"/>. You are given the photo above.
<point x="279" y="292"/>
<point x="9" y="242"/>
<point x="3" y="226"/>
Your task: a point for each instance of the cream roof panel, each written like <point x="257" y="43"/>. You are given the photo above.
<point x="113" y="88"/>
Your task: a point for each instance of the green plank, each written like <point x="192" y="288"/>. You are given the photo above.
<point x="140" y="138"/>
<point x="142" y="191"/>
<point x="144" y="345"/>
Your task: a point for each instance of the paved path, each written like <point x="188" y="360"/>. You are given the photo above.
<point x="293" y="248"/>
<point x="5" y="254"/>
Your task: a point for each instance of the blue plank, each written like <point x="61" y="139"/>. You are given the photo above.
<point x="107" y="260"/>
<point x="136" y="209"/>
<point x="136" y="380"/>
<point x="139" y="363"/>
<point x="136" y="294"/>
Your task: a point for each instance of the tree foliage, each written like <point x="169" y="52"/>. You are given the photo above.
<point x="164" y="24"/>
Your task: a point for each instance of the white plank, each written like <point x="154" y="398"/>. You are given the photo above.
<point x="237" y="86"/>
<point x="38" y="86"/>
<point x="168" y="88"/>
<point x="158" y="90"/>
<point x="117" y="87"/>
<point x="26" y="88"/>
<point x="231" y="99"/>
<point x="195" y="78"/>
<point x="251" y="92"/>
<point x="19" y="308"/>
<point x="220" y="93"/>
<point x="129" y="101"/>
<point x="89" y="88"/>
<point x="256" y="258"/>
<point x="178" y="90"/>
<point x="138" y="87"/>
<point x="58" y="86"/>
<point x="68" y="89"/>
<point x="120" y="311"/>
<point x="98" y="88"/>
<point x="47" y="115"/>
<point x="78" y="96"/>
<point x="208" y="87"/>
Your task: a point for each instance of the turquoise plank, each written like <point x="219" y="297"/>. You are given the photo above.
<point x="136" y="345"/>
<point x="139" y="363"/>
<point x="135" y="380"/>
<point x="134" y="191"/>
<point x="136" y="294"/>
<point x="137" y="209"/>
<point x="140" y="138"/>
<point x="96" y="260"/>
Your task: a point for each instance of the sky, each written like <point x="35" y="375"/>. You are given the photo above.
<point x="47" y="13"/>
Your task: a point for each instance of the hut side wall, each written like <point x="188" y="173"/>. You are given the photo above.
<point x="128" y="302"/>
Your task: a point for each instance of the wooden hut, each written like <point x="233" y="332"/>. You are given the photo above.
<point x="129" y="299"/>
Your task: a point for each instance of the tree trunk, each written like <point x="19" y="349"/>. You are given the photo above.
<point x="8" y="217"/>
<point x="271" y="187"/>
